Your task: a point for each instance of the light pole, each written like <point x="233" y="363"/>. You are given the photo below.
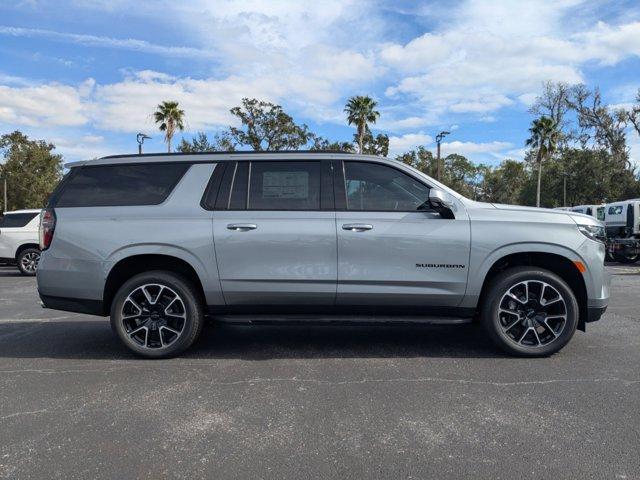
<point x="4" y="205"/>
<point x="140" y="138"/>
<point x="439" y="138"/>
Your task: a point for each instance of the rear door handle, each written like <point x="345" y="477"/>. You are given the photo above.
<point x="357" y="227"/>
<point x="242" y="227"/>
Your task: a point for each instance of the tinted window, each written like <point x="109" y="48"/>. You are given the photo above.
<point x="16" y="220"/>
<point x="600" y="213"/>
<point x="114" y="185"/>
<point x="284" y="186"/>
<point x="615" y="210"/>
<point x="375" y="187"/>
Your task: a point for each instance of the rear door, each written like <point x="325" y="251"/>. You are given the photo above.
<point x="392" y="251"/>
<point x="275" y="233"/>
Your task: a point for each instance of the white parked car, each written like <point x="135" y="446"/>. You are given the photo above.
<point x="19" y="239"/>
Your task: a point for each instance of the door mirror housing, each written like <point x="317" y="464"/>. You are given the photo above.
<point x="441" y="202"/>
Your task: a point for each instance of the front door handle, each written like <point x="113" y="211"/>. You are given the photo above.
<point x="242" y="227"/>
<point x="357" y="227"/>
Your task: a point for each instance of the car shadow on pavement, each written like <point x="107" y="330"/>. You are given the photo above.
<point x="93" y="340"/>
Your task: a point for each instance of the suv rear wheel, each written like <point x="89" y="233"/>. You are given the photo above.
<point x="529" y="312"/>
<point x="28" y="261"/>
<point x="157" y="314"/>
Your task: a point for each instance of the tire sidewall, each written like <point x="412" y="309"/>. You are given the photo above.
<point x="192" y="304"/>
<point x="19" y="260"/>
<point x="499" y="287"/>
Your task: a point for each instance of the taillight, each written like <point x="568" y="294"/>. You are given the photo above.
<point x="47" y="227"/>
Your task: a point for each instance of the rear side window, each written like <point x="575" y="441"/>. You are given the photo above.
<point x="284" y="186"/>
<point x="16" y="220"/>
<point x="117" y="185"/>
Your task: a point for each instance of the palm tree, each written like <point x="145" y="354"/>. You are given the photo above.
<point x="360" y="111"/>
<point x="545" y="136"/>
<point x="170" y="118"/>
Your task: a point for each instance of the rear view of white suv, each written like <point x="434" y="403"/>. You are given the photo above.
<point x="19" y="240"/>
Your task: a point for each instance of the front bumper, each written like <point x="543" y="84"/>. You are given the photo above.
<point x="594" y="313"/>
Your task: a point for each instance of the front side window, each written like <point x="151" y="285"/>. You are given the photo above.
<point x="117" y="185"/>
<point x="284" y="186"/>
<point x="16" y="220"/>
<point x="375" y="187"/>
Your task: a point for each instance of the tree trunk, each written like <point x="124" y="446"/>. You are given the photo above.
<point x="360" y="137"/>
<point x="539" y="179"/>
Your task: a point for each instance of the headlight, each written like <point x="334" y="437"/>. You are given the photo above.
<point x="594" y="232"/>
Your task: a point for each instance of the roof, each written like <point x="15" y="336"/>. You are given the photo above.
<point x="26" y="210"/>
<point x="206" y="157"/>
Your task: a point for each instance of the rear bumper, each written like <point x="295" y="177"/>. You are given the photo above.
<point x="77" y="305"/>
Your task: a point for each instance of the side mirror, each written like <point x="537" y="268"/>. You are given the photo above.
<point x="439" y="198"/>
<point x="441" y="202"/>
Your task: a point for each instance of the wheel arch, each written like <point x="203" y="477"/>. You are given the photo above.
<point x="132" y="265"/>
<point x="554" y="262"/>
<point x="24" y="246"/>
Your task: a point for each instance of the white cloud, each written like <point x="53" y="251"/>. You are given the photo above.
<point x="108" y="42"/>
<point x="48" y="104"/>
<point x="85" y="147"/>
<point x="409" y="141"/>
<point x="472" y="148"/>
<point x="490" y="53"/>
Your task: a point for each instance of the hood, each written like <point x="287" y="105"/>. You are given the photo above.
<point x="579" y="218"/>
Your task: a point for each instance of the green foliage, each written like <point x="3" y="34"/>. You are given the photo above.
<point x="31" y="169"/>
<point x="360" y="112"/>
<point x="265" y="126"/>
<point x="170" y="118"/>
<point x="545" y="136"/>
<point x="378" y="145"/>
<point x="460" y="174"/>
<point x="592" y="177"/>
<point x="505" y="183"/>
<point x="320" y="144"/>
<point x="420" y="159"/>
<point x="222" y="142"/>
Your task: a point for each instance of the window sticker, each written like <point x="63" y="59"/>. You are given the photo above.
<point x="285" y="185"/>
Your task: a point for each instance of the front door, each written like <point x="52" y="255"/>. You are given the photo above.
<point x="275" y="238"/>
<point x="391" y="251"/>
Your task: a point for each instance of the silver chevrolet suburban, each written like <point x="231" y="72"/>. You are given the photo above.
<point x="160" y="241"/>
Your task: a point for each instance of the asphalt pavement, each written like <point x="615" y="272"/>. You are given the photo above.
<point x="316" y="401"/>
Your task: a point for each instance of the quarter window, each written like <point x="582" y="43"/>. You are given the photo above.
<point x="117" y="185"/>
<point x="375" y="187"/>
<point x="16" y="220"/>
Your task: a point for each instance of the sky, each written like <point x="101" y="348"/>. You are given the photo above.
<point x="87" y="74"/>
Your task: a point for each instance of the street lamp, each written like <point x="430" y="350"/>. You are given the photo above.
<point x="140" y="138"/>
<point x="439" y="138"/>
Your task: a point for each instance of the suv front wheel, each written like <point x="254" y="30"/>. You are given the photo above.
<point x="529" y="312"/>
<point x="157" y="314"/>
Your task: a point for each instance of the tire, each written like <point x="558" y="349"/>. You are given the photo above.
<point x="157" y="314"/>
<point x="28" y="261"/>
<point x="539" y="329"/>
<point x="628" y="259"/>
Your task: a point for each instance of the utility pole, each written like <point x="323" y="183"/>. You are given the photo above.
<point x="439" y="138"/>
<point x="140" y="138"/>
<point x="564" y="190"/>
<point x="4" y="205"/>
